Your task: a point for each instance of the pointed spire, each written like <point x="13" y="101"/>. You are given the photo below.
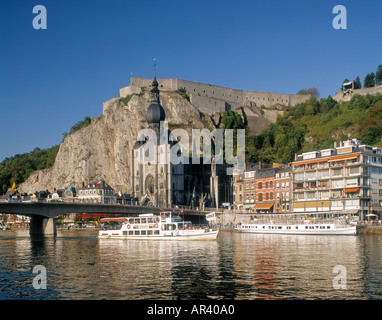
<point x="155" y="90"/>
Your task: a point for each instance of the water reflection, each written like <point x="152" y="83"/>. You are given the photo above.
<point x="236" y="266"/>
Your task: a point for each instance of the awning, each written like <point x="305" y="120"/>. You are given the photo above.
<point x="113" y="219"/>
<point x="302" y="162"/>
<point x="327" y="159"/>
<point x="248" y="206"/>
<point x="356" y="189"/>
<point x="348" y="157"/>
<point x="91" y="215"/>
<point x="265" y="206"/>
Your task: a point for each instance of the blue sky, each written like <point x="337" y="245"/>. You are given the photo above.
<point x="50" y="79"/>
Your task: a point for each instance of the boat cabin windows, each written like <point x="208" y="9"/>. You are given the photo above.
<point x="168" y="226"/>
<point x="144" y="220"/>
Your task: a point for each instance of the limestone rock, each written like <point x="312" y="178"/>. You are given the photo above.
<point x="102" y="150"/>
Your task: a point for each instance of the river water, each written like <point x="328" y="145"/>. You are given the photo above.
<point x="237" y="266"/>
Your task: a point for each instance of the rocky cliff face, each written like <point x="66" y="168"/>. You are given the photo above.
<point x="102" y="150"/>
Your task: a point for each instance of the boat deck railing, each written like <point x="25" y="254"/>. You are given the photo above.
<point x="298" y="221"/>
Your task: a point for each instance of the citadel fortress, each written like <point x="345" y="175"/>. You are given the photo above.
<point x="210" y="98"/>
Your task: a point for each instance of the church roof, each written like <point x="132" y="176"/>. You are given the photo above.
<point x="155" y="112"/>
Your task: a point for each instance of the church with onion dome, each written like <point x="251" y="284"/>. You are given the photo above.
<point x="159" y="182"/>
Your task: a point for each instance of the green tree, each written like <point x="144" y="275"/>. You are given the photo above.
<point x="357" y="83"/>
<point x="369" y="80"/>
<point x="232" y="120"/>
<point x="312" y="91"/>
<point x="378" y="75"/>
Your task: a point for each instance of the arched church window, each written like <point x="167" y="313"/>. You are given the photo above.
<point x="149" y="183"/>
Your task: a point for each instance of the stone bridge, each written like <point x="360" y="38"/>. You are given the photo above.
<point x="43" y="213"/>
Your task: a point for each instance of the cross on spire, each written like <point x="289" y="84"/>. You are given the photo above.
<point x="155" y="67"/>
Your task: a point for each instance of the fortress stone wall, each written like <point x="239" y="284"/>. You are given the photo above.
<point x="210" y="98"/>
<point x="341" y="96"/>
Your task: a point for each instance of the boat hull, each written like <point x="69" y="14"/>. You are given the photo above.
<point x="349" y="230"/>
<point x="212" y="235"/>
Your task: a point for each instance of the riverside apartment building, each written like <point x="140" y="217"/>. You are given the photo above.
<point x="347" y="177"/>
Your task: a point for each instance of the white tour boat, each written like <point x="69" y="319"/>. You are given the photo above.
<point x="322" y="228"/>
<point x="166" y="226"/>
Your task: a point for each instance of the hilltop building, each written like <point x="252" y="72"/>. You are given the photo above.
<point x="210" y="98"/>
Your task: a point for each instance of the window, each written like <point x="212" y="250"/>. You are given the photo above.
<point x="260" y="185"/>
<point x="354" y="171"/>
<point x="337" y="183"/>
<point x="260" y="197"/>
<point x="351" y="182"/>
<point x="323" y="174"/>
<point x="336" y="172"/>
<point x="311" y="175"/>
<point x="310" y="195"/>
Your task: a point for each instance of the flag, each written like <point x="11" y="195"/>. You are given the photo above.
<point x="145" y="196"/>
<point x="68" y="189"/>
<point x="211" y="216"/>
<point x="98" y="183"/>
<point x="35" y="180"/>
<point x="13" y="186"/>
<point x="119" y="194"/>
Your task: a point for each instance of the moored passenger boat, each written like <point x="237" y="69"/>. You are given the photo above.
<point x="166" y="226"/>
<point x="306" y="228"/>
